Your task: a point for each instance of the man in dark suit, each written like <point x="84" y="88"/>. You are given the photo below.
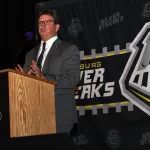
<point x="59" y="61"/>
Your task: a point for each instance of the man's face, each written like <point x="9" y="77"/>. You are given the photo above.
<point x="47" y="28"/>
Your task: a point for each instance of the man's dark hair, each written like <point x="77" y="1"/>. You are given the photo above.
<point x="49" y="12"/>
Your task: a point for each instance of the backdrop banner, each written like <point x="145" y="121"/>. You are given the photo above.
<point x="113" y="96"/>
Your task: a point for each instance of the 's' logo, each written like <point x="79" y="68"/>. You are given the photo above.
<point x="113" y="139"/>
<point x="135" y="80"/>
<point x="75" y="27"/>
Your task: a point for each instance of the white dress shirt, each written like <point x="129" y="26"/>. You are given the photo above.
<point x="47" y="49"/>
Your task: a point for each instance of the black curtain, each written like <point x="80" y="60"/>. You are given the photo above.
<point x="103" y="31"/>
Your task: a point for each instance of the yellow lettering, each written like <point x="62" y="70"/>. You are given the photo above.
<point x="99" y="64"/>
<point x="81" y="66"/>
<point x="93" y="65"/>
<point x="90" y="65"/>
<point x="87" y="66"/>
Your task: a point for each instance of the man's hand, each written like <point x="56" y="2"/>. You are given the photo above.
<point x="20" y="69"/>
<point x="36" y="70"/>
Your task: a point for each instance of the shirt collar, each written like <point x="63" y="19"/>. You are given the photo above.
<point x="51" y="40"/>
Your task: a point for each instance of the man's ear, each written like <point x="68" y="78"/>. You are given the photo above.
<point x="57" y="27"/>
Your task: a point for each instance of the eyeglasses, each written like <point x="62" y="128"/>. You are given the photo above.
<point x="47" y="22"/>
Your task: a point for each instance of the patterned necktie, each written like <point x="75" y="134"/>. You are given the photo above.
<point x="39" y="62"/>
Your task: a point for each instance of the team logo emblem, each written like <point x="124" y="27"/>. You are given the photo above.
<point x="146" y="10"/>
<point x="113" y="139"/>
<point x="135" y="80"/>
<point x="75" y="27"/>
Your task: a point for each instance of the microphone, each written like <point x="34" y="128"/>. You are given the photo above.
<point x="23" y="44"/>
<point x="17" y="56"/>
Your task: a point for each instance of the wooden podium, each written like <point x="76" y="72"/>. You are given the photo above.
<point x="27" y="105"/>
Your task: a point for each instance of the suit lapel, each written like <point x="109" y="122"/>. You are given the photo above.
<point x="51" y="52"/>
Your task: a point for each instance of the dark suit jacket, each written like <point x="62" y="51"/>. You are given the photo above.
<point x="62" y="65"/>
